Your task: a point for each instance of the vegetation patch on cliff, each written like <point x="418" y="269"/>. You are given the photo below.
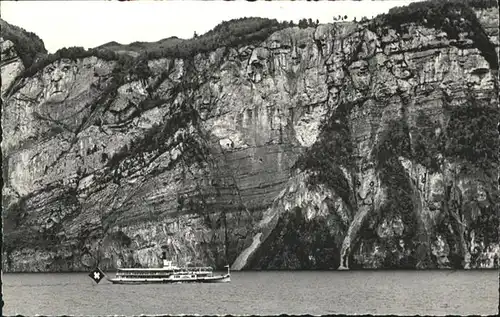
<point x="469" y="136"/>
<point x="160" y="138"/>
<point x="485" y="229"/>
<point x="427" y="142"/>
<point x="450" y="230"/>
<point x="471" y="133"/>
<point x="395" y="142"/>
<point x="297" y="243"/>
<point x="451" y="16"/>
<point x="333" y="149"/>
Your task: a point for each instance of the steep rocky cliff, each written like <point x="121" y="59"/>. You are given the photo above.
<point x="347" y="145"/>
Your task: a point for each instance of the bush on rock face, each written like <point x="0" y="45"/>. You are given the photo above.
<point x="427" y="144"/>
<point x="471" y="134"/>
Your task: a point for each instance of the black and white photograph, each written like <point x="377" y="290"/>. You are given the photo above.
<point x="250" y="157"/>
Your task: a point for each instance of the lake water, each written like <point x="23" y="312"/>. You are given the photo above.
<point x="349" y="292"/>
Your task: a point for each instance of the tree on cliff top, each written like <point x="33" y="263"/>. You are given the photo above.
<point x="73" y="53"/>
<point x="226" y="34"/>
<point x="27" y="45"/>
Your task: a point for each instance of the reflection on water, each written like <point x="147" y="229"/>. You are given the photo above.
<point x="349" y="292"/>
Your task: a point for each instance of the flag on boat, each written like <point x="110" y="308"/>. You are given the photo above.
<point x="97" y="275"/>
<point x="227" y="265"/>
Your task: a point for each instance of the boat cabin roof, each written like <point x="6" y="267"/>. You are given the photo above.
<point x="162" y="269"/>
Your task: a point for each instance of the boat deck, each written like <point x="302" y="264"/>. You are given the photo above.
<point x="183" y="279"/>
<point x="169" y="273"/>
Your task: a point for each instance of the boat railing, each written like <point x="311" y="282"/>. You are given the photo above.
<point x="201" y="268"/>
<point x="204" y="268"/>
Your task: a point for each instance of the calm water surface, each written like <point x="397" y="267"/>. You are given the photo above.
<point x="349" y="292"/>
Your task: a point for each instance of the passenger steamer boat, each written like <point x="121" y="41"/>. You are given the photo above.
<point x="168" y="274"/>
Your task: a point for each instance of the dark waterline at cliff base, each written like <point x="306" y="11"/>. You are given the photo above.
<point x="445" y="270"/>
<point x="261" y="293"/>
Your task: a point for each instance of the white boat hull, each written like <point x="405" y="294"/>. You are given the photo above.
<point x="208" y="279"/>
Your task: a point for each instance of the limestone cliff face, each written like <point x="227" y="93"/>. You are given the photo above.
<point x="320" y="147"/>
<point x="375" y="205"/>
<point x="10" y="63"/>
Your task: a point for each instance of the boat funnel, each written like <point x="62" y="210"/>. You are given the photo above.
<point x="166" y="263"/>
